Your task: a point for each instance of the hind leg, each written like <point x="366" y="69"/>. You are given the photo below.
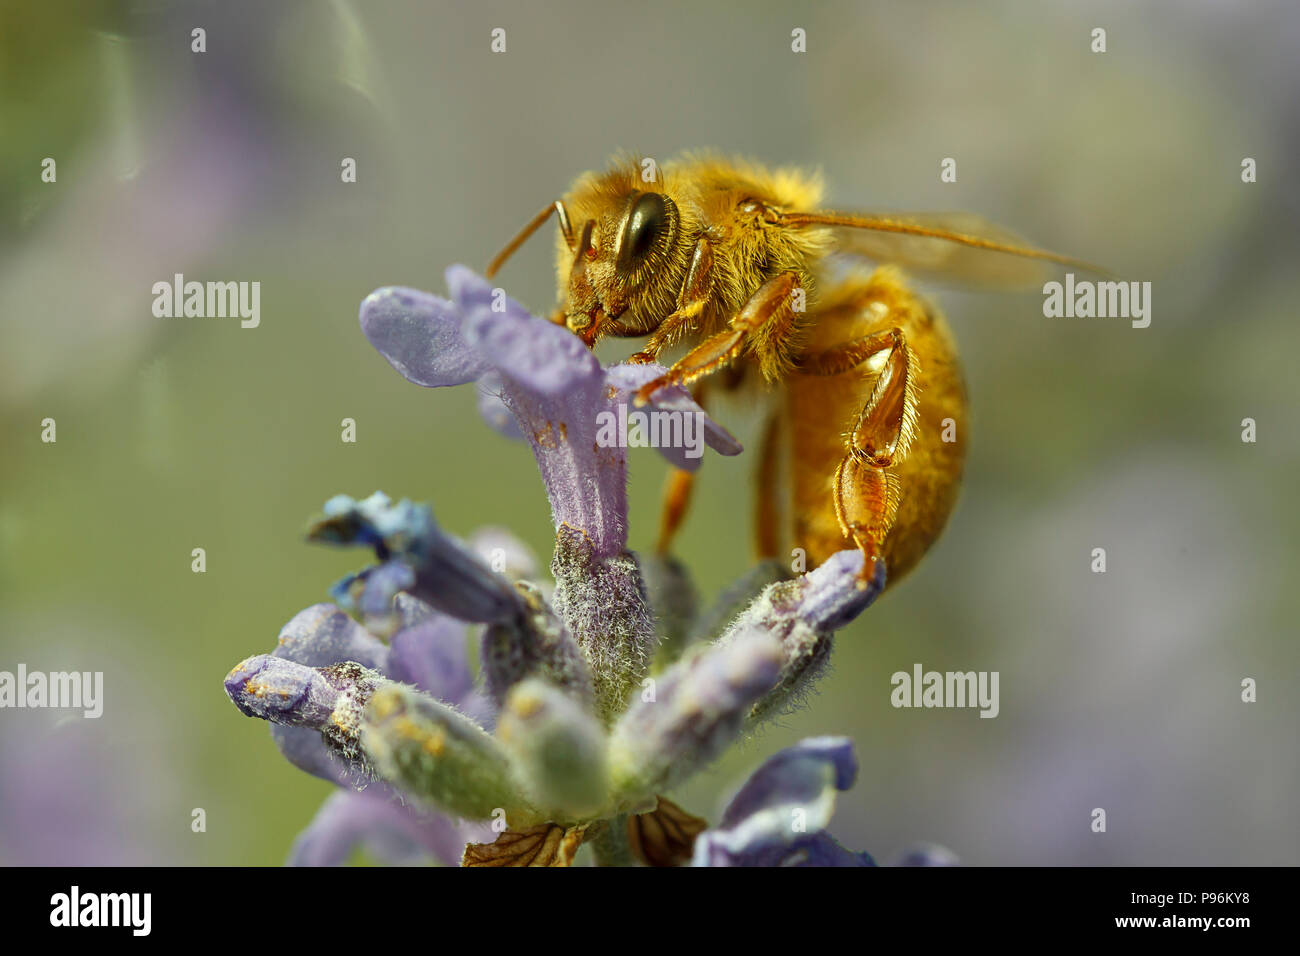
<point x="866" y="492"/>
<point x="677" y="494"/>
<point x="767" y="509"/>
<point x="677" y="499"/>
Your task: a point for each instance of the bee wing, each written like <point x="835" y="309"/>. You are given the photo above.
<point x="953" y="248"/>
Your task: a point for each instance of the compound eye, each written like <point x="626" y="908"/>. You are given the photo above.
<point x="647" y="222"/>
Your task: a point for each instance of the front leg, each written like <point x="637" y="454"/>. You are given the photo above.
<point x="766" y="321"/>
<point x="691" y="300"/>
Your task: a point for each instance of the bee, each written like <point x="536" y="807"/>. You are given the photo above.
<point x="734" y="263"/>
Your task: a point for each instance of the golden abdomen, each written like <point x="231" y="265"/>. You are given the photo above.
<point x="820" y="410"/>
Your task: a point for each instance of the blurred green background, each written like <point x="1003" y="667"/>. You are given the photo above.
<point x="1119" y="690"/>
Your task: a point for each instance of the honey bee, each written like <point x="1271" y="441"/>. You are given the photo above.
<point x="866" y="438"/>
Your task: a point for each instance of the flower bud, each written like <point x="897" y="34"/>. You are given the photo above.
<point x="432" y="752"/>
<point x="558" y="748"/>
<point x="416" y="556"/>
<point x="803" y="614"/>
<point x="534" y="641"/>
<point x="694" y="711"/>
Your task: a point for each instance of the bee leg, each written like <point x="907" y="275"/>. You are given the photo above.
<point x="677" y="494"/>
<point x="677" y="498"/>
<point x="673" y="326"/>
<point x="765" y="322"/>
<point x="846" y="356"/>
<point x="767" y="506"/>
<point x="691" y="300"/>
<point x="866" y="492"/>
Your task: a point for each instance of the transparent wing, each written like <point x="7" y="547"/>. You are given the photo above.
<point x="956" y="248"/>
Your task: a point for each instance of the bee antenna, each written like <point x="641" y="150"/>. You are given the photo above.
<point x="533" y="225"/>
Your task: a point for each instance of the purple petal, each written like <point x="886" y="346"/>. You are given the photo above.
<point x="382" y="585"/>
<point x="816" y="849"/>
<point x="927" y="854"/>
<point x="420" y="335"/>
<point x="779" y="816"/>
<point x="322" y="634"/>
<point x="471" y="291"/>
<point x="822" y="849"/>
<point x="452" y="578"/>
<point x="432" y="655"/>
<point x="417" y="556"/>
<point x="412" y="612"/>
<point x="537" y="355"/>
<point x="586" y="483"/>
<point x="306" y="749"/>
<point x="797" y="776"/>
<point x="493" y="409"/>
<point x="387" y="829"/>
<point x="672" y="401"/>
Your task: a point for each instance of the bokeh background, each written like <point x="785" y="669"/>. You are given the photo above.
<point x="1118" y="690"/>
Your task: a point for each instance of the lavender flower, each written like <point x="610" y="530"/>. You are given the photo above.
<point x="553" y="386"/>
<point x="779" y="817"/>
<point x="593" y="698"/>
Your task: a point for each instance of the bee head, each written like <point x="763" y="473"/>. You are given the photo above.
<point x="623" y="265"/>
